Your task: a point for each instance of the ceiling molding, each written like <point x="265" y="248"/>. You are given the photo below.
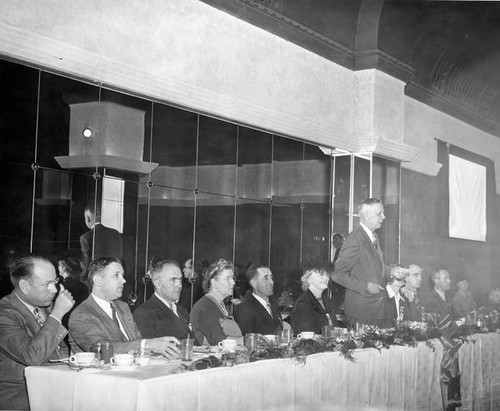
<point x="101" y="160"/>
<point x="429" y="168"/>
<point x="448" y="106"/>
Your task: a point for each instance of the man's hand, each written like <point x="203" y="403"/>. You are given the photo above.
<point x="373" y="288"/>
<point x="63" y="303"/>
<point x="166" y="346"/>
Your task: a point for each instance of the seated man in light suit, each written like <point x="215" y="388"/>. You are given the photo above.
<point x="30" y="326"/>
<point x="161" y="315"/>
<point x="256" y="314"/>
<point x="103" y="317"/>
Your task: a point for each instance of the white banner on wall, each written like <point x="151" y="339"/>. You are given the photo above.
<point x="467" y="181"/>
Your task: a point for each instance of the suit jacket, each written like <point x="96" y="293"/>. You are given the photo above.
<point x="435" y="304"/>
<point x="308" y="314"/>
<point x="155" y="319"/>
<point x="89" y="324"/>
<point x="358" y="264"/>
<point x="108" y="243"/>
<point x="252" y="317"/>
<point x="23" y="342"/>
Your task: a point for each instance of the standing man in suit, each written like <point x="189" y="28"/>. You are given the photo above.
<point x="361" y="270"/>
<point x="99" y="241"/>
<point x="103" y="317"/>
<point x="161" y="315"/>
<point x="30" y="326"/>
<point x="256" y="314"/>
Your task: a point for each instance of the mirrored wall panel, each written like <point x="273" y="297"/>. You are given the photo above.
<point x="90" y="171"/>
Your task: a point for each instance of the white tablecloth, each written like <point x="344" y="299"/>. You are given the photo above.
<point x="395" y="379"/>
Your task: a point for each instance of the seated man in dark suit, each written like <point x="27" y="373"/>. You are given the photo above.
<point x="438" y="302"/>
<point x="30" y="326"/>
<point x="396" y="305"/>
<point x="102" y="317"/>
<point x="413" y="281"/>
<point x="256" y="314"/>
<point x="161" y="315"/>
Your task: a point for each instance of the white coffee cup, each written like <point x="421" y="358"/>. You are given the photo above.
<point x="82" y="358"/>
<point x="143" y="360"/>
<point x="228" y="344"/>
<point x="122" y="359"/>
<point x="306" y="335"/>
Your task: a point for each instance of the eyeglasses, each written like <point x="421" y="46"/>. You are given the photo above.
<point x="55" y="282"/>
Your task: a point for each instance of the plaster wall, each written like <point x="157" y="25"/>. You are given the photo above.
<point x="423" y="125"/>
<point x="190" y="54"/>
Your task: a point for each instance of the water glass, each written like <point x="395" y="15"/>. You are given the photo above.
<point x="285" y="336"/>
<point x="186" y="349"/>
<point x="251" y="341"/>
<point x="326" y="331"/>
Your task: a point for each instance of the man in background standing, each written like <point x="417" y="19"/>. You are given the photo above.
<point x="99" y="241"/>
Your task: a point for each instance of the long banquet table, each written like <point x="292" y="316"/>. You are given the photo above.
<point x="395" y="379"/>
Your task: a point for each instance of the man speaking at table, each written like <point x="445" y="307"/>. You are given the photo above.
<point x="103" y="317"/>
<point x="30" y="326"/>
<point x="361" y="270"/>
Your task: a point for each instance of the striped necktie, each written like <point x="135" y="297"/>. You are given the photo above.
<point x="40" y="319"/>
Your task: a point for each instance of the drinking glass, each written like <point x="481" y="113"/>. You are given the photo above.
<point x="186" y="349"/>
<point x="251" y="341"/>
<point x="286" y="336"/>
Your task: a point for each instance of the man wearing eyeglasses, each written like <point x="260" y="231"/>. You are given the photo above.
<point x="31" y="332"/>
<point x="161" y="315"/>
<point x="102" y="317"/>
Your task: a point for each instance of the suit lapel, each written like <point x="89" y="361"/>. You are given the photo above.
<point x="107" y="323"/>
<point x="169" y="314"/>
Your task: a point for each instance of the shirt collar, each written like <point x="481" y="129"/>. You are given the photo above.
<point x="441" y="294"/>
<point x="27" y="305"/>
<point x="105" y="305"/>
<point x="367" y="231"/>
<point x="391" y="292"/>
<point x="166" y="302"/>
<point x="261" y="300"/>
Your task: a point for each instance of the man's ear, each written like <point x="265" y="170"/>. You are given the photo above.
<point x="97" y="280"/>
<point x="24" y="285"/>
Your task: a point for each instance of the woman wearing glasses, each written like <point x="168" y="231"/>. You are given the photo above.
<point x="210" y="319"/>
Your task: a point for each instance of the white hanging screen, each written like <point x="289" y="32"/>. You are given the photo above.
<point x="112" y="203"/>
<point x="467" y="181"/>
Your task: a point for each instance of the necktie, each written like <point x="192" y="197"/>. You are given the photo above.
<point x="115" y="317"/>
<point x="269" y="310"/>
<point x="173" y="307"/>
<point x="38" y="316"/>
<point x="377" y="247"/>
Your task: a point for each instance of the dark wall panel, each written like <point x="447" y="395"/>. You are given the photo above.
<point x="421" y="244"/>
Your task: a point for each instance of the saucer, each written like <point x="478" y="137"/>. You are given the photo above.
<point x="94" y="365"/>
<point x="124" y="367"/>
